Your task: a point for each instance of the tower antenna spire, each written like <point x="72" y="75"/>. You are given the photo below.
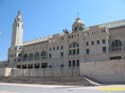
<point x="77" y="14"/>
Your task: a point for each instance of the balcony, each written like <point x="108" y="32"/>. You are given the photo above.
<point x="117" y="49"/>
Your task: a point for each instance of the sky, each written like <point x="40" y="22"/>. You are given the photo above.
<point x="47" y="17"/>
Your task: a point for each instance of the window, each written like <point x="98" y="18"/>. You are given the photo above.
<point x="70" y="64"/>
<point x="18" y="66"/>
<point x="24" y="66"/>
<point x="61" y="47"/>
<point x="73" y="63"/>
<point x="49" y="49"/>
<point x="87" y="51"/>
<point x="25" y="57"/>
<point x="54" y="48"/>
<point x="103" y="41"/>
<point x="50" y="56"/>
<point x="74" y="51"/>
<point x="104" y="49"/>
<point x="116" y="58"/>
<point x="87" y="43"/>
<point x="30" y="66"/>
<point x="30" y="56"/>
<point x="61" y="54"/>
<point x="98" y="42"/>
<point x="37" y="56"/>
<point x="19" y="57"/>
<point x="116" y="45"/>
<point x="92" y="42"/>
<point x="19" y="60"/>
<point x="37" y="65"/>
<point x="43" y="55"/>
<point x="77" y="51"/>
<point x="70" y="52"/>
<point x="44" y="65"/>
<point x="77" y="63"/>
<point x="57" y="47"/>
<point x="75" y="28"/>
<point x="74" y="48"/>
<point x="80" y="28"/>
<point x="74" y="45"/>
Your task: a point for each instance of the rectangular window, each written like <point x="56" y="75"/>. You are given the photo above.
<point x="77" y="63"/>
<point x="50" y="56"/>
<point x="53" y="48"/>
<point x="87" y="43"/>
<point x="61" y="47"/>
<point x="92" y="42"/>
<point x="87" y="51"/>
<point x="49" y="49"/>
<point x="57" y="47"/>
<point x="61" y="54"/>
<point x="37" y="65"/>
<point x="98" y="42"/>
<point x="70" y="64"/>
<point x="103" y="41"/>
<point x="44" y="65"/>
<point x="77" y="51"/>
<point x="74" y="51"/>
<point x="18" y="66"/>
<point x="116" y="58"/>
<point x="104" y="49"/>
<point x="70" y="52"/>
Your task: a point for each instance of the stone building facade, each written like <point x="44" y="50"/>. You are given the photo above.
<point x="63" y="53"/>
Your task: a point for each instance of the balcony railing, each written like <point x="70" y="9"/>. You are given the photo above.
<point x="117" y="49"/>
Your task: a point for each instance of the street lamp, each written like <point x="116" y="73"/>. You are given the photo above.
<point x="0" y="36"/>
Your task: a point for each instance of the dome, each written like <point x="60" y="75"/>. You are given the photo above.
<point x="78" y="21"/>
<point x="78" y="25"/>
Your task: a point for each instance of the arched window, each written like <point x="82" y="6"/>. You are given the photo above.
<point x="116" y="45"/>
<point x="36" y="56"/>
<point x="74" y="45"/>
<point x="30" y="56"/>
<point x="43" y="54"/>
<point x="25" y="57"/>
<point x="74" y="48"/>
<point x="19" y="57"/>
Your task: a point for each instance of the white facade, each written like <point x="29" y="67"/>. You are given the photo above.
<point x="63" y="53"/>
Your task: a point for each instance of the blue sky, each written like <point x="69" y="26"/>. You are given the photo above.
<point x="46" y="17"/>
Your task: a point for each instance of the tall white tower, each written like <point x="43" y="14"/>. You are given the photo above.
<point x="17" y="40"/>
<point x="17" y="34"/>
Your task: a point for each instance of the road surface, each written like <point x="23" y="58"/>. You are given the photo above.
<point x="29" y="88"/>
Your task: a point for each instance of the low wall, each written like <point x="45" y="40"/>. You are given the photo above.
<point x="5" y="72"/>
<point x="112" y="71"/>
<point x="47" y="72"/>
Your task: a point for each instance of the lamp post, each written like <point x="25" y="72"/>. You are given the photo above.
<point x="0" y="36"/>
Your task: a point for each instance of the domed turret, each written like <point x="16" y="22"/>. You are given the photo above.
<point x="78" y="25"/>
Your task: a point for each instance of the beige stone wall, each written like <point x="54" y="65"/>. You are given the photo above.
<point x="5" y="72"/>
<point x="48" y="72"/>
<point x="105" y="71"/>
